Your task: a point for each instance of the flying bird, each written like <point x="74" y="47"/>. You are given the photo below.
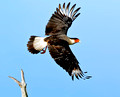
<point x="58" y="42"/>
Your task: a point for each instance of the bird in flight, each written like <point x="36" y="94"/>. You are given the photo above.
<point x="58" y="42"/>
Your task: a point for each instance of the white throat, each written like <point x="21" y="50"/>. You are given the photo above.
<point x="71" y="41"/>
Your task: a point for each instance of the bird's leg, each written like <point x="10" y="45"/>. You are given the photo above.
<point x="43" y="50"/>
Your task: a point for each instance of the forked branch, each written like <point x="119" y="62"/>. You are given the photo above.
<point x="22" y="84"/>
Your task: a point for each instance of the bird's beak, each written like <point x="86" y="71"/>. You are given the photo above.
<point x="77" y="40"/>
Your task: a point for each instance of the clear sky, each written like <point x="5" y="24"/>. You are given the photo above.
<point x="98" y="28"/>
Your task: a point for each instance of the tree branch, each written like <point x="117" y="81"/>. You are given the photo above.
<point x="22" y="84"/>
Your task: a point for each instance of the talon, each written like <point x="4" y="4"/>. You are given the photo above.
<point x="43" y="51"/>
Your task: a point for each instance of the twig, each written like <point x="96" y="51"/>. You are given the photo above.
<point x="22" y="84"/>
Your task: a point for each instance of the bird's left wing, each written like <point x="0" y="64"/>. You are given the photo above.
<point x="64" y="57"/>
<point x="61" y="20"/>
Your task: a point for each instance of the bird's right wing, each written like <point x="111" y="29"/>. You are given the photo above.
<point x="63" y="56"/>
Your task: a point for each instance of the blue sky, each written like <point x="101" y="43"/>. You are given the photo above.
<point x="98" y="27"/>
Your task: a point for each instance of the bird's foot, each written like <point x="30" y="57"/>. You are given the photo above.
<point x="43" y="50"/>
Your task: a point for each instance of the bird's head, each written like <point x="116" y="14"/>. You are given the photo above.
<point x="74" y="40"/>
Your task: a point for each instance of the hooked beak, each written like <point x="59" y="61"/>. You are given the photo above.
<point x="77" y="40"/>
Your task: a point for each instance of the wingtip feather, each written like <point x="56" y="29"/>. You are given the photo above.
<point x="75" y="12"/>
<point x="64" y="8"/>
<point x="71" y="10"/>
<point x="60" y="8"/>
<point x="76" y="16"/>
<point x="65" y="11"/>
<point x="67" y="8"/>
<point x="79" y="74"/>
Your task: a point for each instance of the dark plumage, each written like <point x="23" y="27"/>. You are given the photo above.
<point x="58" y="42"/>
<point x="61" y="20"/>
<point x="61" y="53"/>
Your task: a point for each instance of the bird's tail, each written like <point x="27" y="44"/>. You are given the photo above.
<point x="36" y="44"/>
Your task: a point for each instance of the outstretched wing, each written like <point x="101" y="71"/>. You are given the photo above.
<point x="64" y="57"/>
<point x="61" y="20"/>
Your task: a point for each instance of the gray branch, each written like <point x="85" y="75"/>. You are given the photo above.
<point x="22" y="84"/>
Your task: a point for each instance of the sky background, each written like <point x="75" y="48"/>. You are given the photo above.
<point x="98" y="28"/>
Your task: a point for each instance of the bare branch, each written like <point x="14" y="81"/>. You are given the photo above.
<point x="22" y="84"/>
<point x="18" y="82"/>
